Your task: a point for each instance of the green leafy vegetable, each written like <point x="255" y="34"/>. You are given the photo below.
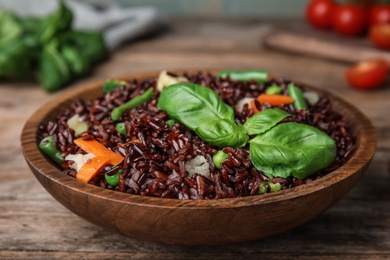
<point x="53" y="69"/>
<point x="193" y="105"/>
<point x="59" y="21"/>
<point x="17" y="59"/>
<point x="279" y="150"/>
<point x="47" y="48"/>
<point x="292" y="149"/>
<point x="10" y="28"/>
<point x="223" y="133"/>
<point x="170" y="122"/>
<point x="261" y="122"/>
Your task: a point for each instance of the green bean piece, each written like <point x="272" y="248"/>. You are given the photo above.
<point x="267" y="186"/>
<point x="245" y="75"/>
<point x="113" y="180"/>
<point x="219" y="157"/>
<point x="135" y="102"/>
<point x="170" y="122"/>
<point x="273" y="90"/>
<point x="275" y="186"/>
<point x="110" y="85"/>
<point x="121" y="128"/>
<point x="47" y="147"/>
<point x="297" y="95"/>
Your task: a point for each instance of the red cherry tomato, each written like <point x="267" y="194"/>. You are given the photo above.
<point x="350" y="19"/>
<point x="380" y="35"/>
<point x="319" y="13"/>
<point x="368" y="74"/>
<point x="379" y="14"/>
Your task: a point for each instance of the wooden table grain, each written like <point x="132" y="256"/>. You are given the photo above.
<point x="34" y="226"/>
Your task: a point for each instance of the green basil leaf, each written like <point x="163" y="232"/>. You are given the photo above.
<point x="222" y="133"/>
<point x="55" y="23"/>
<point x="53" y="71"/>
<point x="292" y="149"/>
<point x="10" y="28"/>
<point x="193" y="105"/>
<point x="17" y="59"/>
<point x="265" y="120"/>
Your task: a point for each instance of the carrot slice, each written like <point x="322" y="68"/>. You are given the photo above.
<point x="91" y="168"/>
<point x="99" y="150"/>
<point x="275" y="99"/>
<point x="254" y="107"/>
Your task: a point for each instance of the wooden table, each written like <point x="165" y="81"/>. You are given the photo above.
<point x="35" y="226"/>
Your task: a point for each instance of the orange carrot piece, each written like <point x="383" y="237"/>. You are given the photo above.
<point x="254" y="107"/>
<point x="91" y="168"/>
<point x="275" y="99"/>
<point x="99" y="150"/>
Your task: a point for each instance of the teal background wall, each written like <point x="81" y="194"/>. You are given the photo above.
<point x="218" y="8"/>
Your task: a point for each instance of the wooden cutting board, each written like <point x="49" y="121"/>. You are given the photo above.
<point x="300" y="38"/>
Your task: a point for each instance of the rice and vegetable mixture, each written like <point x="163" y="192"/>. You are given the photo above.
<point x="199" y="136"/>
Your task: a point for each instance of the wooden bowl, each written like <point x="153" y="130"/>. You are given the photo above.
<point x="191" y="222"/>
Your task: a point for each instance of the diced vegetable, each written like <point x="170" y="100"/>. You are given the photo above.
<point x="296" y="94"/>
<point x="198" y="165"/>
<point x="47" y="147"/>
<point x="273" y="90"/>
<point x="113" y="180"/>
<point x="91" y="168"/>
<point x="110" y="85"/>
<point x="78" y="160"/>
<point x="219" y="157"/>
<point x="275" y="99"/>
<point x="267" y="186"/>
<point x="311" y="96"/>
<point x="241" y="103"/>
<point x="77" y="125"/>
<point x="245" y="75"/>
<point x="164" y="80"/>
<point x="121" y="128"/>
<point x="135" y="102"/>
<point x="254" y="107"/>
<point x="99" y="150"/>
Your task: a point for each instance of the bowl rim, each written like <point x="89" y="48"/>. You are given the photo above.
<point x="365" y="150"/>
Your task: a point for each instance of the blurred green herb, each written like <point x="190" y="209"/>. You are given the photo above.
<point x="47" y="48"/>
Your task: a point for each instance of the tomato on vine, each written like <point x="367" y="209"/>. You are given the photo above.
<point x="379" y="14"/>
<point x="350" y="19"/>
<point x="319" y="13"/>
